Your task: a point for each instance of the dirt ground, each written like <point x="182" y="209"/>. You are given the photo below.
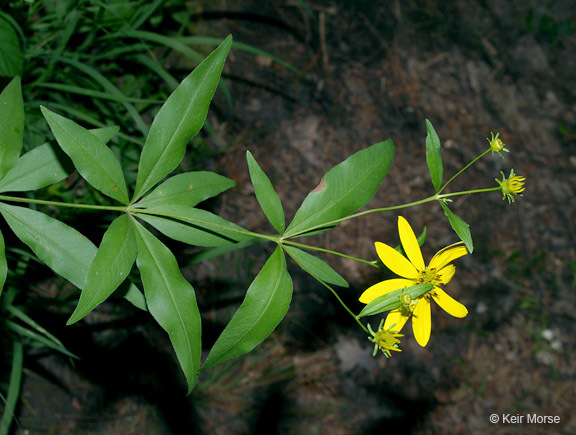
<point x="372" y="70"/>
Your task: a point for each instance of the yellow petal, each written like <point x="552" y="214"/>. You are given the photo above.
<point x="448" y="303"/>
<point x="447" y="273"/>
<point x="447" y="255"/>
<point x="410" y="243"/>
<point x="384" y="287"/>
<point x="396" y="319"/>
<point x="421" y="322"/>
<point x="395" y="261"/>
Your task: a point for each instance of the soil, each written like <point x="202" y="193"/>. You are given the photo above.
<point x="371" y="70"/>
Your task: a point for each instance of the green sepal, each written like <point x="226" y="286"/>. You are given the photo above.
<point x="461" y="227"/>
<point x="264" y="306"/>
<point x="433" y="156"/>
<point x="266" y="195"/>
<point x="391" y="300"/>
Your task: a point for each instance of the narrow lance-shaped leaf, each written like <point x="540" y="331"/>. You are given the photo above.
<point x="37" y="168"/>
<point x="265" y="304"/>
<point x="461" y="227"/>
<point x="266" y="195"/>
<point x="433" y="156"/>
<point x="179" y="119"/>
<point x="11" y="56"/>
<point x="104" y="134"/>
<point x="171" y="300"/>
<point x="187" y="189"/>
<point x="62" y="248"/>
<point x="14" y="384"/>
<point x="195" y="226"/>
<point x="3" y="264"/>
<point x="111" y="266"/>
<point x="345" y="188"/>
<point x="92" y="158"/>
<point x="42" y="166"/>
<point x="11" y="125"/>
<point x="315" y="266"/>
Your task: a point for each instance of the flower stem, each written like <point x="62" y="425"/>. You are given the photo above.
<point x="382" y="209"/>
<point x="343" y="304"/>
<point x="463" y="169"/>
<point x="121" y="208"/>
<point x="340" y="254"/>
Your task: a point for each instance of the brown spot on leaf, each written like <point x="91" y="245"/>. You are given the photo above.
<point x="321" y="186"/>
<point x="115" y="187"/>
<point x="190" y="187"/>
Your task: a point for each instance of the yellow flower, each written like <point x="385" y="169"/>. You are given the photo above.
<point x="496" y="144"/>
<point x="413" y="271"/>
<point x="385" y="340"/>
<point x="513" y="185"/>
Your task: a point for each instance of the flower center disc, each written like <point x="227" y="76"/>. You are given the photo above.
<point x="429" y="276"/>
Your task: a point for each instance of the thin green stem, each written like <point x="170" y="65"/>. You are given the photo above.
<point x="382" y="209"/>
<point x="343" y="304"/>
<point x="362" y="213"/>
<point x="121" y="208"/>
<point x="463" y="169"/>
<point x="340" y="254"/>
<point x="468" y="192"/>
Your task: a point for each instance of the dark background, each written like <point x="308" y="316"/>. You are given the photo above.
<point x="372" y="70"/>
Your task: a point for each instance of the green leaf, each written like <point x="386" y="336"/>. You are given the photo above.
<point x="97" y="78"/>
<point x="208" y="254"/>
<point x="433" y="156"/>
<point x="104" y="134"/>
<point x="3" y="263"/>
<point x="391" y="301"/>
<point x="345" y="188"/>
<point x="62" y="248"/>
<point x="111" y="266"/>
<point x="461" y="227"/>
<point x="35" y="331"/>
<point x="92" y="158"/>
<point x="316" y="267"/>
<point x="14" y="384"/>
<point x="179" y="119"/>
<point x="133" y="295"/>
<point x="194" y="226"/>
<point x="11" y="56"/>
<point x="266" y="195"/>
<point x="266" y="302"/>
<point x="171" y="301"/>
<point x="37" y="168"/>
<point x="11" y="125"/>
<point x="187" y="189"/>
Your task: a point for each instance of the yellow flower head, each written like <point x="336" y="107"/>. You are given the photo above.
<point x="496" y="144"/>
<point x="385" y="340"/>
<point x="513" y="185"/>
<point x="413" y="271"/>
